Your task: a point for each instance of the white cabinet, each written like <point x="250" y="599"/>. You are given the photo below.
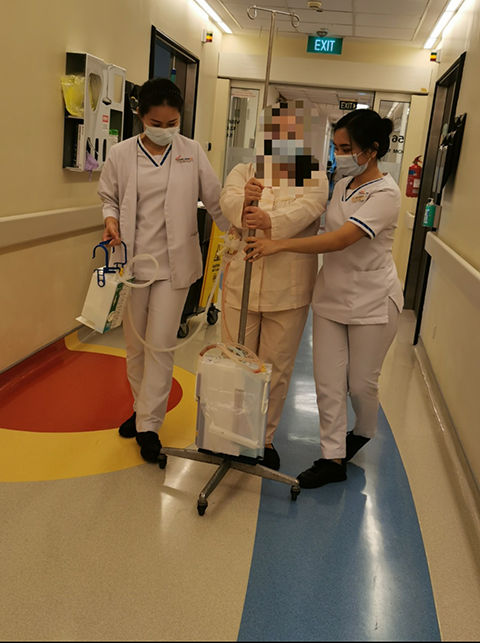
<point x="103" y="103"/>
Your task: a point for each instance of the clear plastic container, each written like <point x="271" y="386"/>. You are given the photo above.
<point x="232" y="407"/>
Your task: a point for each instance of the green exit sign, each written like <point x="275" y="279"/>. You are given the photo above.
<point x="348" y="105"/>
<point x="324" y="45"/>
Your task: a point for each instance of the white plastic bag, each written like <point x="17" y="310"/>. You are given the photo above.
<point x="106" y="299"/>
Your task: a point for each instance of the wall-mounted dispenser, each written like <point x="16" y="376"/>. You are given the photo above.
<point x="103" y="106"/>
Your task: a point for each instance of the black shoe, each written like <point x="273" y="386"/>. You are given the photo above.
<point x="271" y="459"/>
<point x="149" y="445"/>
<point x="354" y="444"/>
<point x="128" y="429"/>
<point x="322" y="472"/>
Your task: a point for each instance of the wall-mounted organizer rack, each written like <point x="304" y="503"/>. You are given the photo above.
<point x="103" y="106"/>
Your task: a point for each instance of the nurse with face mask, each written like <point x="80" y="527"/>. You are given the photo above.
<point x="150" y="186"/>
<point x="357" y="298"/>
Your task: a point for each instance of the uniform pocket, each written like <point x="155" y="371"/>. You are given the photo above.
<point x="371" y="290"/>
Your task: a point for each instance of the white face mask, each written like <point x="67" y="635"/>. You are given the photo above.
<point x="161" y="136"/>
<point x="347" y="164"/>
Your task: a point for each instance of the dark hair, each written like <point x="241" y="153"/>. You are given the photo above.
<point x="367" y="129"/>
<point x="159" y="91"/>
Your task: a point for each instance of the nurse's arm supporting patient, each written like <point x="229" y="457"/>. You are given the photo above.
<point x="340" y="239"/>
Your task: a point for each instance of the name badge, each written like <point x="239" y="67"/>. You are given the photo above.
<point x="184" y="159"/>
<point x="361" y="197"/>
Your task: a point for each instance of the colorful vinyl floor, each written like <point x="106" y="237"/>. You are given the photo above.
<point x="97" y="545"/>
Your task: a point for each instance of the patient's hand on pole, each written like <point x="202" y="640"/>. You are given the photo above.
<point x="253" y="191"/>
<point x="256" y="219"/>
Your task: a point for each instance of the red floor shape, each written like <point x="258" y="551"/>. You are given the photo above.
<point x="62" y="391"/>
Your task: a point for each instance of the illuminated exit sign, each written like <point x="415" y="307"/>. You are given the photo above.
<point x="324" y="45"/>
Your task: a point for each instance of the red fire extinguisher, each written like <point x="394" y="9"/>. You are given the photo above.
<point x="413" y="181"/>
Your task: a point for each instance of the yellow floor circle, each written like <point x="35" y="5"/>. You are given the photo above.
<point x="26" y="456"/>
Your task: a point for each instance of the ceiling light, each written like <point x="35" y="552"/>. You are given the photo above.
<point x="224" y="27"/>
<point x="453" y="5"/>
<point x="445" y="18"/>
<point x="213" y="15"/>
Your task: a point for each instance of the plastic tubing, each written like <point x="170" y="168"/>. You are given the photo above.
<point x="129" y="284"/>
<point x="227" y="349"/>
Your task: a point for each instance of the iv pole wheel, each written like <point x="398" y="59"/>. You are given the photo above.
<point x="294" y="491"/>
<point x="202" y="507"/>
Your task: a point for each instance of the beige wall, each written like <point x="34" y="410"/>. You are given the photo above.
<point x="32" y="61"/>
<point x="450" y="329"/>
<point x="219" y="133"/>
<point x="48" y="281"/>
<point x="383" y="52"/>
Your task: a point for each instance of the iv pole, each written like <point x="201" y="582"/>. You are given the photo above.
<point x="252" y="13"/>
<point x="225" y="462"/>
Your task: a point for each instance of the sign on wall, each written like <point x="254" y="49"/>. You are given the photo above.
<point x="348" y="105"/>
<point x="330" y="46"/>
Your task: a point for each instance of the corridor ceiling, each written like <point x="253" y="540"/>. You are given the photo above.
<point x="406" y="22"/>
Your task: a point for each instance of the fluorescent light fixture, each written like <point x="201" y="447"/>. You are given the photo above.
<point x="224" y="27"/>
<point x="445" y="18"/>
<point x="363" y="106"/>
<point x="197" y="8"/>
<point x="213" y="15"/>
<point x="453" y="5"/>
<point x="208" y="9"/>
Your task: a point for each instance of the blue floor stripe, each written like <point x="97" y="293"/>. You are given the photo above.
<point x="345" y="562"/>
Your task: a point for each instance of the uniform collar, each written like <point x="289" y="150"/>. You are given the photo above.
<point x="344" y="195"/>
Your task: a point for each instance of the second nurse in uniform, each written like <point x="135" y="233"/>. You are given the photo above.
<point x="357" y="298"/>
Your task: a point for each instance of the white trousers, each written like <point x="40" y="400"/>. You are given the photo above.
<point x="347" y="359"/>
<point x="275" y="338"/>
<point x="156" y="313"/>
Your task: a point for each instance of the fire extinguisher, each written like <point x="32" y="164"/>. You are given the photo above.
<point x="413" y="181"/>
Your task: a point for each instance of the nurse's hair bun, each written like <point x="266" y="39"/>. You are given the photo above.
<point x="368" y="130"/>
<point x="388" y="125"/>
<point x="159" y="91"/>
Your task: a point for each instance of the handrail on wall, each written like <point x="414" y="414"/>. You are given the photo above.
<point x="38" y="226"/>
<point x="462" y="273"/>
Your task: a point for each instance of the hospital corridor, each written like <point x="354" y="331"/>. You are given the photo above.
<point x="239" y="348"/>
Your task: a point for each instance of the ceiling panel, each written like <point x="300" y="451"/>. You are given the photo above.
<point x="333" y="30"/>
<point x="384" y="33"/>
<point x="327" y="5"/>
<point x="240" y="11"/>
<point x="246" y="23"/>
<point x="263" y="3"/>
<point x="394" y="7"/>
<point x="385" y="20"/>
<point x="399" y="20"/>
<point x="327" y="17"/>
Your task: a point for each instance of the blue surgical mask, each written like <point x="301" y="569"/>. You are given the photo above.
<point x="347" y="164"/>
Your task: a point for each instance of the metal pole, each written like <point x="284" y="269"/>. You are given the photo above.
<point x="269" y="58"/>
<point x="248" y="266"/>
